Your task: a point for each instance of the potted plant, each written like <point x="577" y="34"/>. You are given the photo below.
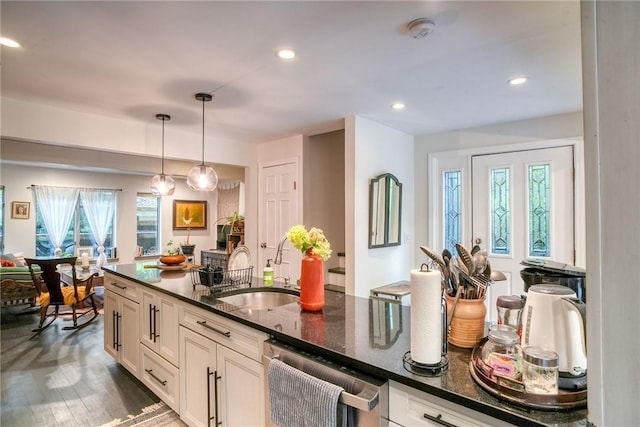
<point x="172" y="255"/>
<point x="187" y="248"/>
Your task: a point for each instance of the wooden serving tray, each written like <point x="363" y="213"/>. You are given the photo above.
<point x="513" y="391"/>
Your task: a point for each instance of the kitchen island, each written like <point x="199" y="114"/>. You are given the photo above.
<point x="368" y="335"/>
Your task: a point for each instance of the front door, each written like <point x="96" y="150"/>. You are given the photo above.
<point x="278" y="212"/>
<point x="522" y="206"/>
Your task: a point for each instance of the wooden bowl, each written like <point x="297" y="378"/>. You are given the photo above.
<point x="172" y="259"/>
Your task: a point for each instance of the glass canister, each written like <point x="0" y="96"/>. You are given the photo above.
<point x="510" y="311"/>
<point x="502" y="353"/>
<point x="540" y="370"/>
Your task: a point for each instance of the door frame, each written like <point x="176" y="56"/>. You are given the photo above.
<point x="463" y="156"/>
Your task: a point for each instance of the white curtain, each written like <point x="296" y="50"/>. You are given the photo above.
<point x="99" y="206"/>
<point x="56" y="205"/>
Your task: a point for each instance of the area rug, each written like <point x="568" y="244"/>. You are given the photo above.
<point x="156" y="415"/>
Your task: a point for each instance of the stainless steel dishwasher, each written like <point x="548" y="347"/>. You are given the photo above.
<point x="367" y="401"/>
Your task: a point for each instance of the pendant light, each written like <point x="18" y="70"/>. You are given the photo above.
<point x="202" y="177"/>
<point x="163" y="185"/>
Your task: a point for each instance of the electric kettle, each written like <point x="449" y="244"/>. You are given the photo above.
<point x="554" y="318"/>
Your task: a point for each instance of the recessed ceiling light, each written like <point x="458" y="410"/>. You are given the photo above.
<point x="398" y="106"/>
<point x="8" y="42"/>
<point x="517" y="81"/>
<point x="285" y="53"/>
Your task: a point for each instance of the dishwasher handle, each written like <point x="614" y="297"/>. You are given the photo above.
<point x="366" y="400"/>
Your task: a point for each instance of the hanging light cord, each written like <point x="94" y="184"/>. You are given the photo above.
<point x="203" y="101"/>
<point x="163" y="119"/>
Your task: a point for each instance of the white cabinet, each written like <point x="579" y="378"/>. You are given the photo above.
<point x="411" y="407"/>
<point x="198" y="379"/>
<point x="219" y="385"/>
<point x="161" y="377"/>
<point x="241" y="389"/>
<point x="159" y="320"/>
<point x="122" y="322"/>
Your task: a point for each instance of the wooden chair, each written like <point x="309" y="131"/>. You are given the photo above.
<point x="52" y="291"/>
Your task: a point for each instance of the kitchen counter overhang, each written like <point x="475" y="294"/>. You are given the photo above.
<point x="369" y="335"/>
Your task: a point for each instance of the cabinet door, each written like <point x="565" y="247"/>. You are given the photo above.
<point x="129" y="335"/>
<point x="110" y="312"/>
<point x="166" y="329"/>
<point x="241" y="389"/>
<point x="197" y="379"/>
<point x="147" y="314"/>
<point x="159" y="320"/>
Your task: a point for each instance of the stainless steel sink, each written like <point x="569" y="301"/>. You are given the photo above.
<point x="260" y="299"/>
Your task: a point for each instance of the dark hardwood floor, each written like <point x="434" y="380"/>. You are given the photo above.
<point x="62" y="378"/>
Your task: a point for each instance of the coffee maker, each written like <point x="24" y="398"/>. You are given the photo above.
<point x="538" y="271"/>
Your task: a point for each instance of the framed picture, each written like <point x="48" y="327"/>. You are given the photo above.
<point x="20" y="210"/>
<point x="82" y="249"/>
<point x="189" y="214"/>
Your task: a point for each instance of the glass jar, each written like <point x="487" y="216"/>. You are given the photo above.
<point x="540" y="370"/>
<point x="502" y="353"/>
<point x="510" y="311"/>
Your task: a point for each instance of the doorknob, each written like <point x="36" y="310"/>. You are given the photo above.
<point x="478" y="240"/>
<point x="263" y="245"/>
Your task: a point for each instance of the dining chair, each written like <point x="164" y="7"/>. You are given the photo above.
<point x="53" y="292"/>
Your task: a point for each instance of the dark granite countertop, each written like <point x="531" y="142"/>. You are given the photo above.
<point x="370" y="335"/>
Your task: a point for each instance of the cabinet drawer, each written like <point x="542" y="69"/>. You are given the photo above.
<point x="121" y="287"/>
<point x="411" y="407"/>
<point x="243" y="339"/>
<point x="161" y="377"/>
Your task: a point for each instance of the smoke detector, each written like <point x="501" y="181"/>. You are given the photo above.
<point x="420" y="28"/>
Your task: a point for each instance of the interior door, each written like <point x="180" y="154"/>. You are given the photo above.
<point x="522" y="206"/>
<point x="278" y="212"/>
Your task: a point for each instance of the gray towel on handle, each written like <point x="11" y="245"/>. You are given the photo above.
<point x="301" y="400"/>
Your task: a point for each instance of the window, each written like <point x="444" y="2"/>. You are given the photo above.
<point x="452" y="209"/>
<point x="500" y="211"/>
<point x="148" y="224"/>
<point x="539" y="210"/>
<point x="78" y="235"/>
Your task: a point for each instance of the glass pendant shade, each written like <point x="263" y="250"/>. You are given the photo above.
<point x="202" y="178"/>
<point x="162" y="185"/>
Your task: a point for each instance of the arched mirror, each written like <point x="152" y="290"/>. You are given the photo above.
<point x="385" y="202"/>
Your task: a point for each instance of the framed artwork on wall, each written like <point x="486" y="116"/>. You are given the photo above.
<point x="20" y="210"/>
<point x="189" y="214"/>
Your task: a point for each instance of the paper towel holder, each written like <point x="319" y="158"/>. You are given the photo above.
<point x="431" y="369"/>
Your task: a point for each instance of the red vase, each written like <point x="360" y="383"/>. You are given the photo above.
<point x="312" y="282"/>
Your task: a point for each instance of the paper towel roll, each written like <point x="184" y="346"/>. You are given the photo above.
<point x="426" y="320"/>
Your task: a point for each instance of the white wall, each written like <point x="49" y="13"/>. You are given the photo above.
<point x="370" y="150"/>
<point x="20" y="234"/>
<point x="63" y="126"/>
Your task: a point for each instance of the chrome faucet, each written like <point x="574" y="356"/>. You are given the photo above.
<point x="278" y="259"/>
<point x="286" y="280"/>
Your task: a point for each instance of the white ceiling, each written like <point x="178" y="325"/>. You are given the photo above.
<point x="133" y="59"/>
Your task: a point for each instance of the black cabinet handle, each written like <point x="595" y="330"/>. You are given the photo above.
<point x="209" y="417"/>
<point x="150" y="372"/>
<point x="204" y="323"/>
<point x="151" y="333"/>
<point x="215" y="390"/>
<point x="438" y="420"/>
<point x="115" y="329"/>
<point x="155" y="326"/>
<point x="118" y="286"/>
